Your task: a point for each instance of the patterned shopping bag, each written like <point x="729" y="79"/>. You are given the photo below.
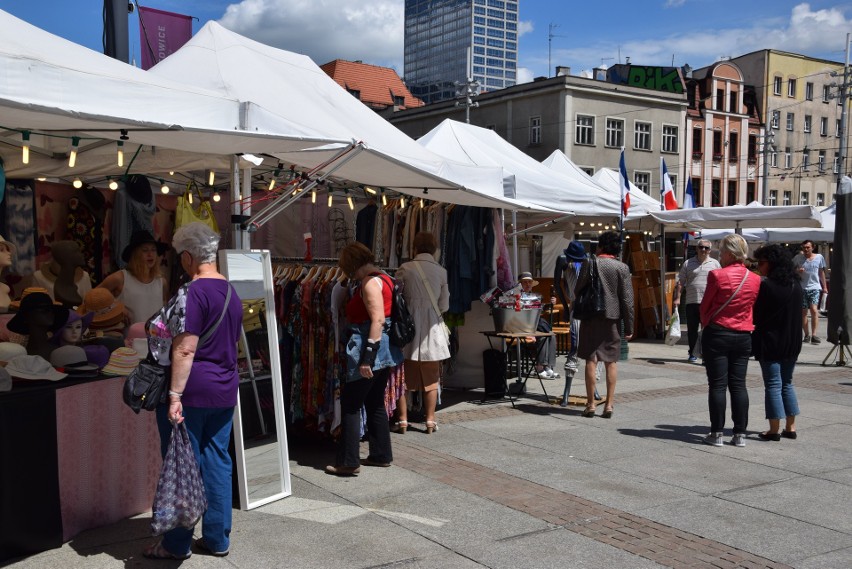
<point x="180" y="500"/>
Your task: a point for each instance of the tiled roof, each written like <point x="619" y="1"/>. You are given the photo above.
<point x="377" y="86"/>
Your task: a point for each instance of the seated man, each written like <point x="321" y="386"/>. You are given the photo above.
<point x="547" y="353"/>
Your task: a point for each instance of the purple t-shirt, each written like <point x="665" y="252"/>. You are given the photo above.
<point x="195" y="308"/>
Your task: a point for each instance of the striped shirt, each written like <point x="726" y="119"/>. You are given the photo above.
<point x="693" y="278"/>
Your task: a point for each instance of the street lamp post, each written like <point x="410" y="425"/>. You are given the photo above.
<point x="768" y="141"/>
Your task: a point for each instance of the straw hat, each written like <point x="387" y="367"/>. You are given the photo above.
<point x="107" y="310"/>
<point x="33" y="367"/>
<point x="8" y="244"/>
<point x="16" y="304"/>
<point x="527" y="276"/>
<point x="20" y="323"/>
<point x="122" y="362"/>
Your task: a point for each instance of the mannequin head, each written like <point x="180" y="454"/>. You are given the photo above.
<point x="7" y="250"/>
<point x="72" y="331"/>
<point x="67" y="254"/>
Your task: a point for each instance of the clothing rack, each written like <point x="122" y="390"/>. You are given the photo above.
<point x="318" y="261"/>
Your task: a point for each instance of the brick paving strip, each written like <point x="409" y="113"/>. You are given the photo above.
<point x="640" y="536"/>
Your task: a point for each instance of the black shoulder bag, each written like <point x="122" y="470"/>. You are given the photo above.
<point x="146" y="386"/>
<point x="589" y="302"/>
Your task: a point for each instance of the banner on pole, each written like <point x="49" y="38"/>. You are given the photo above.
<point x="161" y="33"/>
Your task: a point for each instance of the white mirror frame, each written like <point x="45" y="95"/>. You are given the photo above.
<point x="228" y="263"/>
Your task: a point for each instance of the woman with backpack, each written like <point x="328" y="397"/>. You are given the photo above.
<point x="369" y="359"/>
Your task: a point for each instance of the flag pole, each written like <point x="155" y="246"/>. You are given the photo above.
<point x="664" y="307"/>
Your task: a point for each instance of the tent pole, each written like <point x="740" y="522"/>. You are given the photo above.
<point x="517" y="272"/>
<point x="236" y="210"/>
<point x="664" y="307"/>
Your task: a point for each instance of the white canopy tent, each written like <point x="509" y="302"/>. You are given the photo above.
<point x="738" y="217"/>
<point x="640" y="202"/>
<point x="292" y="86"/>
<point x="55" y="89"/>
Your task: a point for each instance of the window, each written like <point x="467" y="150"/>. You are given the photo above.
<point x="791" y="118"/>
<point x="733" y="100"/>
<point x="732" y="192"/>
<point x="788" y="198"/>
<point x="823" y="126"/>
<point x="826" y="93"/>
<point x="585" y="130"/>
<point x="614" y="133"/>
<point x="587" y="170"/>
<point x="750" y="195"/>
<point x="776" y="86"/>
<point x="642" y="138"/>
<point x="804" y="198"/>
<point x="773" y="197"/>
<point x="791" y="88"/>
<point x="720" y="99"/>
<point x="669" y="138"/>
<point x="776" y="119"/>
<point x="697" y="135"/>
<point x="837" y="128"/>
<point x="808" y="121"/>
<point x="535" y="130"/>
<point x="809" y="91"/>
<point x="717" y="146"/>
<point x="716" y="193"/>
<point x="398" y="100"/>
<point x="820" y="200"/>
<point x="752" y="149"/>
<point x="355" y="93"/>
<point x="733" y="147"/>
<point x="788" y="158"/>
<point x="821" y="160"/>
<point x="773" y="158"/>
<point x="806" y="159"/>
<point x="836" y="166"/>
<point x="643" y="181"/>
<point x="696" y="191"/>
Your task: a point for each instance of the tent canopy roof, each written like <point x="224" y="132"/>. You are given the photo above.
<point x="738" y="216"/>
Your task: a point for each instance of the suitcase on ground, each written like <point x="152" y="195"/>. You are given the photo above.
<point x="494" y="367"/>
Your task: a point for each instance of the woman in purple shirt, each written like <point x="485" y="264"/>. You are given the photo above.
<point x="204" y="383"/>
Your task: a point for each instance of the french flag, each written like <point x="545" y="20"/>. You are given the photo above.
<point x="688" y="195"/>
<point x="669" y="198"/>
<point x="625" y="185"/>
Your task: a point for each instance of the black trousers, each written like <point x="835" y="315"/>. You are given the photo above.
<point x="368" y="393"/>
<point x="693" y="321"/>
<point x="726" y="354"/>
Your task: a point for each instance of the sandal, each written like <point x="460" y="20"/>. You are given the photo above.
<point x="400" y="427"/>
<point x="157" y="551"/>
<point x="607" y="413"/>
<point x="431" y="426"/>
<point x="589" y="412"/>
<point x="202" y="545"/>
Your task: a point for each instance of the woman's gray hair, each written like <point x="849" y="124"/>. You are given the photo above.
<point x="735" y="245"/>
<point x="199" y="240"/>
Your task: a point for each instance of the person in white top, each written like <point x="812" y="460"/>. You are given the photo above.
<point x="140" y="286"/>
<point x="811" y="269"/>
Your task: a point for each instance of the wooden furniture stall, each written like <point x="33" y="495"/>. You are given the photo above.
<point x="650" y="317"/>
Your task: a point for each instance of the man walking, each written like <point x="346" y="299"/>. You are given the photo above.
<point x="692" y="280"/>
<point x="811" y="268"/>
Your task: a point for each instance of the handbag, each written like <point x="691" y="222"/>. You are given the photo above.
<point x="698" y="350"/>
<point x="180" y="500"/>
<point x="444" y="328"/>
<point x="145" y="386"/>
<point x="589" y="302"/>
<point x="185" y="213"/>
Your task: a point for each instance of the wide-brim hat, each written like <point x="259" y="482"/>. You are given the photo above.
<point x="33" y="367"/>
<point x="74" y="316"/>
<point x="20" y="323"/>
<point x="106" y="310"/>
<point x="139" y="238"/>
<point x="16" y="304"/>
<point x="73" y="361"/>
<point x="122" y="362"/>
<point x="8" y="244"/>
<point x="575" y="251"/>
<point x="527" y="276"/>
<point x="10" y="350"/>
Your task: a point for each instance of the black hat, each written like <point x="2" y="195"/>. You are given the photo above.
<point x="138" y="188"/>
<point x="575" y="251"/>
<point x="138" y="238"/>
<point x="20" y="322"/>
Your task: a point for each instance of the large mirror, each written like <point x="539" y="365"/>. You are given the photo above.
<point x="260" y="435"/>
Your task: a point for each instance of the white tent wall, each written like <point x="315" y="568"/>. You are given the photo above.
<point x="737" y="216"/>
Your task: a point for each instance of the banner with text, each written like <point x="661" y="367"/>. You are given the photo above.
<point x="161" y="34"/>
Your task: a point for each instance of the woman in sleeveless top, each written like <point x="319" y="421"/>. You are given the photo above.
<point x="140" y="286"/>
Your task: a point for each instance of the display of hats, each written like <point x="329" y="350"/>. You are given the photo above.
<point x="142" y="237"/>
<point x="74" y="317"/>
<point x="97" y="354"/>
<point x="122" y="362"/>
<point x="5" y="380"/>
<point x="16" y="304"/>
<point x="107" y="311"/>
<point x="575" y="251"/>
<point x="33" y="367"/>
<point x="9" y="350"/>
<point x="73" y="361"/>
<point x="20" y="323"/>
<point x="527" y="276"/>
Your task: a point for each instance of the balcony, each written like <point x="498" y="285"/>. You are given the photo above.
<point x="717" y="158"/>
<point x="697" y="155"/>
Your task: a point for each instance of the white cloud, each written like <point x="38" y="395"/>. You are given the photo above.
<point x="675" y="3"/>
<point x="525" y="27"/>
<point x="367" y="30"/>
<point x="525" y="75"/>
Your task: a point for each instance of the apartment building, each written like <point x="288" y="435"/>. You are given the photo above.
<point x="797" y="99"/>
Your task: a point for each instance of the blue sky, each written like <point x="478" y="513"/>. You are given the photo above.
<point x="586" y="34"/>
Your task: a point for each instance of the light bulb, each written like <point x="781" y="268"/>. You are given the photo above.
<point x="582" y="223"/>
<point x="25" y="149"/>
<point x="120" y="153"/>
<point x="351" y="203"/>
<point x="42" y="179"/>
<point x="72" y="158"/>
<point x="330" y="198"/>
<point x="113" y="185"/>
<point x="251" y="310"/>
<point x="271" y="184"/>
<point x="369" y="190"/>
<point x="313" y="195"/>
<point x="77" y="183"/>
<point x="422" y="203"/>
<point x="171" y="172"/>
<point x="188" y="196"/>
<point x="384" y="198"/>
<point x="165" y="189"/>
<point x="211" y="178"/>
<point x="216" y="196"/>
<point x="402" y="202"/>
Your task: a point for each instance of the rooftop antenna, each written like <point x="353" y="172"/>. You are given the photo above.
<point x="550" y="35"/>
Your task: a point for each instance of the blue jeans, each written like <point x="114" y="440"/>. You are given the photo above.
<point x="726" y="353"/>
<point x="209" y="432"/>
<point x="781" y="400"/>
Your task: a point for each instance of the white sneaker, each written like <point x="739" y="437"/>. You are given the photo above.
<point x="551" y="374"/>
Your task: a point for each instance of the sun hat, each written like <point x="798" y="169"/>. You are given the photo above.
<point x="8" y="244"/>
<point x="575" y="251"/>
<point x="527" y="276"/>
<point x="122" y="362"/>
<point x="97" y="354"/>
<point x="138" y="238"/>
<point x="20" y="323"/>
<point x="73" y="361"/>
<point x="107" y="310"/>
<point x="28" y="291"/>
<point x="73" y="316"/>
<point x="33" y="367"/>
<point x="9" y="350"/>
<point x="5" y="380"/>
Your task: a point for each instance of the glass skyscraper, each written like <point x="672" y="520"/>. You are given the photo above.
<point x="438" y="34"/>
